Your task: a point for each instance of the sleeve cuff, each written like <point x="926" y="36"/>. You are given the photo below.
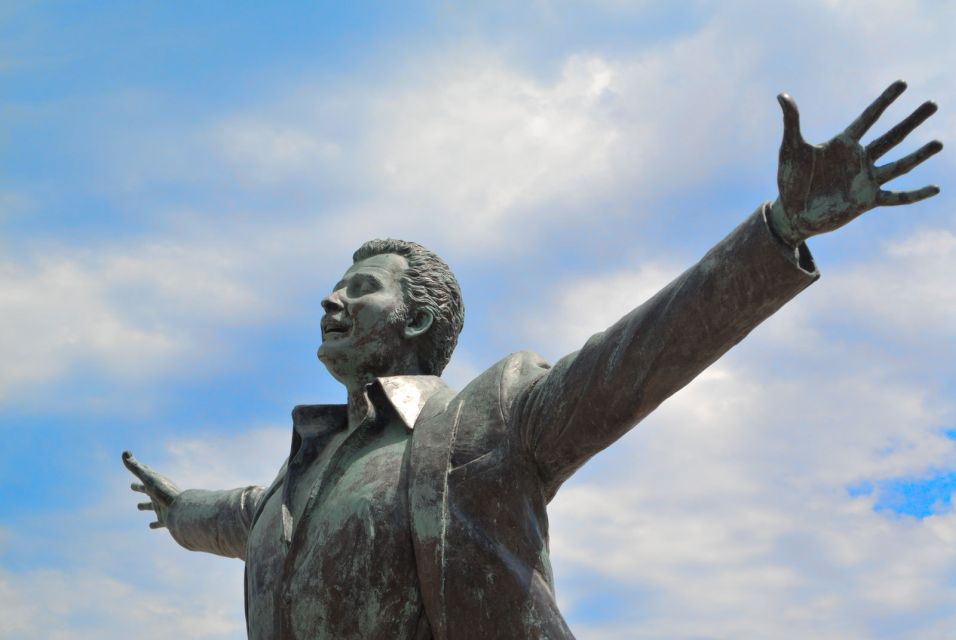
<point x="213" y="521"/>
<point x="800" y="255"/>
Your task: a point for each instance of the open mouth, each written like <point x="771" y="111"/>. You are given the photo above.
<point x="332" y="328"/>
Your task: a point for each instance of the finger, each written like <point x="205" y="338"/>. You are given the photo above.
<point x="791" y="121"/>
<point x="134" y="465"/>
<point x="137" y="468"/>
<point x="893" y="198"/>
<point x="895" y="135"/>
<point x="138" y="487"/>
<point x="870" y="115"/>
<point x="156" y="525"/>
<point x="895" y="169"/>
<point x="146" y="506"/>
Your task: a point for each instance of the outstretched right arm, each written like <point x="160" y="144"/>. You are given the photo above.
<point x="212" y="521"/>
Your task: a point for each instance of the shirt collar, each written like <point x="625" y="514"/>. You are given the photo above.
<point x="406" y="395"/>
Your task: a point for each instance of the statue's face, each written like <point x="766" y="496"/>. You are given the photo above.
<point x="363" y="329"/>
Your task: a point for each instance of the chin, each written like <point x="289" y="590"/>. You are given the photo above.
<point x="335" y="360"/>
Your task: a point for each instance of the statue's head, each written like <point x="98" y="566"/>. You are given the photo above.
<point x="396" y="311"/>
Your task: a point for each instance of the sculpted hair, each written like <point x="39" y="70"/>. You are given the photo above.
<point x="429" y="284"/>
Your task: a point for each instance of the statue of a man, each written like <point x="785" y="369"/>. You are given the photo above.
<point x="415" y="511"/>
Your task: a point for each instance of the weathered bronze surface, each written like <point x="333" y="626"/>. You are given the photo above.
<point x="416" y="511"/>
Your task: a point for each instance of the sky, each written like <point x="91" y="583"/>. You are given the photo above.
<point x="181" y="183"/>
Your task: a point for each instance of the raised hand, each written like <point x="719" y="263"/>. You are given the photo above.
<point x="823" y="187"/>
<point x="160" y="489"/>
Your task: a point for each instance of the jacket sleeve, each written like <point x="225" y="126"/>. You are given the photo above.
<point x="590" y="398"/>
<point x="214" y="521"/>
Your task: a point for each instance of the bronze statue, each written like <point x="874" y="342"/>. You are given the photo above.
<point x="414" y="511"/>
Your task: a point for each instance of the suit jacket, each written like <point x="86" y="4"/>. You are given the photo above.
<point x="485" y="461"/>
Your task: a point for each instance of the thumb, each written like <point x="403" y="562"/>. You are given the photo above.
<point x="791" y="122"/>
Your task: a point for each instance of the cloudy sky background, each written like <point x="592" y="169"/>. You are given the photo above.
<point x="181" y="184"/>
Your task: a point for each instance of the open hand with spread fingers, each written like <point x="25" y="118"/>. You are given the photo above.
<point x="160" y="489"/>
<point x="823" y="187"/>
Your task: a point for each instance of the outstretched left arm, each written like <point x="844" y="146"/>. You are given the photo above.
<point x="590" y="398"/>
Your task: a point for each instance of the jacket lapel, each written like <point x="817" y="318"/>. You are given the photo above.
<point x="428" y="462"/>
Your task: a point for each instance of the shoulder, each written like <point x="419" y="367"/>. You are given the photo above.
<point x="522" y="367"/>
<point x="507" y="377"/>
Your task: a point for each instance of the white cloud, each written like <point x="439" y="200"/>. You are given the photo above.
<point x="58" y="313"/>
<point x="266" y="153"/>
<point x="726" y="515"/>
<point x="486" y="144"/>
<point x="132" y="312"/>
<point x="588" y="304"/>
<point x="90" y="604"/>
<point x="909" y="293"/>
<point x="228" y="461"/>
<point x="471" y="154"/>
<point x="474" y="143"/>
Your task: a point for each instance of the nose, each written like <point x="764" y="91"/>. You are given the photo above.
<point x="332" y="303"/>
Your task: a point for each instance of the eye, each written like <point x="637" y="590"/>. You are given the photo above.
<point x="362" y="286"/>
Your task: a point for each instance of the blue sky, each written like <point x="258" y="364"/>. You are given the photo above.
<point x="180" y="184"/>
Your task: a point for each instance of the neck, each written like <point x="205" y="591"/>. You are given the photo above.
<point x="360" y="408"/>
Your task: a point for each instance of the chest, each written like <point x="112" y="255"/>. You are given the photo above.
<point x="339" y="490"/>
<point x="337" y="530"/>
<point x="359" y="475"/>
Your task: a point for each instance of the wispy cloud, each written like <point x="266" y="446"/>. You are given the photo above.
<point x="909" y="293"/>
<point x="131" y="312"/>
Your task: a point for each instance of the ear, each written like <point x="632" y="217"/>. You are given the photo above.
<point x="418" y="323"/>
